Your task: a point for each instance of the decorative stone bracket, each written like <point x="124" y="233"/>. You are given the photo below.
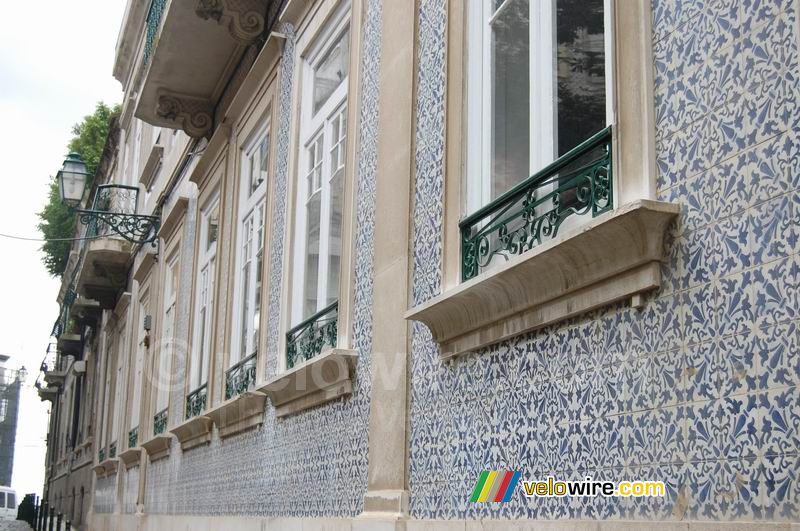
<point x="107" y="467"/>
<point x="158" y="447"/>
<point x="243" y="18"/>
<point x="131" y="457"/>
<point x="239" y="414"/>
<point x="321" y="379"/>
<point x="193" y="115"/>
<point x="194" y="432"/>
<point x="615" y="256"/>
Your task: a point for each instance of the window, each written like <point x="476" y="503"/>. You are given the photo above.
<point x="107" y="390"/>
<point x="119" y="385"/>
<point x="537" y="87"/>
<point x="250" y="246"/>
<point x="141" y="347"/>
<point x="168" y="334"/>
<point x="320" y="179"/>
<point x="11" y="501"/>
<point x="209" y="219"/>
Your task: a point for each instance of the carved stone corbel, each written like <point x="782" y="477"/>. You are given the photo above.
<point x="243" y="18"/>
<point x="193" y="115"/>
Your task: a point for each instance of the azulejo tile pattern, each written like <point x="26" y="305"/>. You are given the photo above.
<point x="313" y="464"/>
<point x="105" y="494"/>
<point x="130" y="490"/>
<point x="698" y="388"/>
<point x="279" y="198"/>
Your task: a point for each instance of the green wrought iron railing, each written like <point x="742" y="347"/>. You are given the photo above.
<point x="153" y="25"/>
<point x="311" y="337"/>
<point x="241" y="377"/>
<point x="101" y="455"/>
<point x="112" y="450"/>
<point x="578" y="183"/>
<point x="160" y="422"/>
<point x="133" y="437"/>
<point x="196" y="401"/>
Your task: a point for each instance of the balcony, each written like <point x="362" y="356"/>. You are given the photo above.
<point x="86" y="312"/>
<point x="191" y="50"/>
<point x="55" y="378"/>
<point x="70" y="345"/>
<point x="48" y="393"/>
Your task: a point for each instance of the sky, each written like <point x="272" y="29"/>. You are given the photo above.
<point x="49" y="79"/>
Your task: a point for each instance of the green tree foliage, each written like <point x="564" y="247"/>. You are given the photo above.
<point x="88" y="140"/>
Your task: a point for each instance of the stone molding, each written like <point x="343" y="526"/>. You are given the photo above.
<point x="131" y="457"/>
<point x="319" y="380"/>
<point x="239" y="414"/>
<point x="194" y="432"/>
<point x="158" y="447"/>
<point x="613" y="257"/>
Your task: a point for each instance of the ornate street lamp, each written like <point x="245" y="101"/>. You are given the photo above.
<point x="114" y="205"/>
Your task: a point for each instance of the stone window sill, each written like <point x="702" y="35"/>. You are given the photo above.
<point x="242" y="413"/>
<point x="613" y="257"/>
<point x="131" y="457"/>
<point x="321" y="379"/>
<point x="106" y="468"/>
<point x="158" y="447"/>
<point x="194" y="432"/>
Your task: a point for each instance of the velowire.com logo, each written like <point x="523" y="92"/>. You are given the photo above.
<point x="498" y="486"/>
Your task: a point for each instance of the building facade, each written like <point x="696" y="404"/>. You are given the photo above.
<point x="10" y="387"/>
<point x="399" y="244"/>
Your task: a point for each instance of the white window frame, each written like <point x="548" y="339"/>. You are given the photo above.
<point x="252" y="210"/>
<point x="119" y="385"/>
<point x="543" y="116"/>
<point x="204" y="307"/>
<point x="167" y="342"/>
<point x="138" y="375"/>
<point x="314" y="126"/>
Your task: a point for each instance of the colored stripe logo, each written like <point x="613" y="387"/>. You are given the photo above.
<point x="495" y="486"/>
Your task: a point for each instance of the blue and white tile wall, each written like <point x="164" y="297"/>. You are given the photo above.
<point x="699" y="388"/>
<point x="130" y="490"/>
<point x="314" y="463"/>
<point x="105" y="494"/>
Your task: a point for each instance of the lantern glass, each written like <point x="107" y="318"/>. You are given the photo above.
<point x="72" y="180"/>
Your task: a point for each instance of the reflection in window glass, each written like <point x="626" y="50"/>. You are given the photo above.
<point x="581" y="65"/>
<point x="332" y="70"/>
<point x="511" y="95"/>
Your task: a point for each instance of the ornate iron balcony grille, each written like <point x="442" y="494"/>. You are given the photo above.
<point x="153" y="24"/>
<point x="578" y="183"/>
<point x="114" y="213"/>
<point x="241" y="377"/>
<point x="133" y="437"/>
<point x="160" y="422"/>
<point x="312" y="336"/>
<point x="112" y="450"/>
<point x="101" y="455"/>
<point x="196" y="401"/>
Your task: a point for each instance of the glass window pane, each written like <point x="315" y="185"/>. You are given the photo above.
<point x="258" y="272"/>
<point x="339" y="129"/>
<point x="263" y="163"/>
<point x="581" y="71"/>
<point x="312" y="255"/>
<point x="212" y="227"/>
<point x="12" y="501"/>
<point x="510" y="96"/>
<point x="332" y="70"/>
<point x="2" y="500"/>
